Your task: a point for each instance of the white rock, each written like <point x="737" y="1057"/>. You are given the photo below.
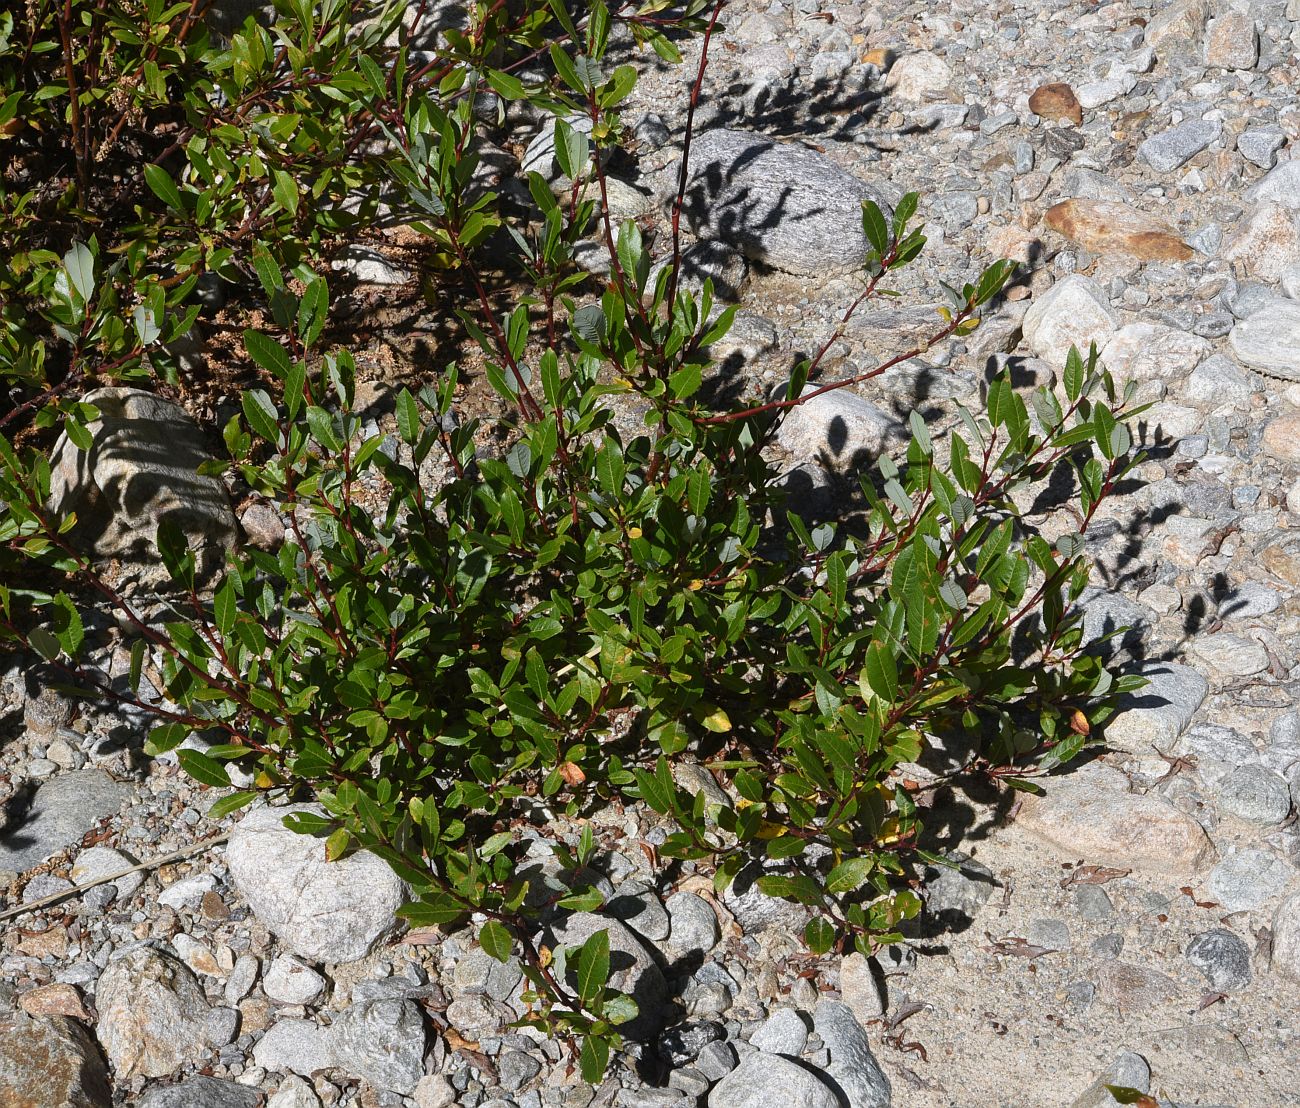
<point x="188" y="891"/>
<point x="1143" y="351"/>
<point x="288" y="980"/>
<point x="369" y="266"/>
<point x="323" y="911"/>
<point x="294" y="1046"/>
<point x="1286" y="937"/>
<point x="100" y="861"/>
<point x="1270" y="339"/>
<point x="1266" y="242"/>
<point x="839" y="429"/>
<point x="1231" y="654"/>
<point x="294" y="1092"/>
<point x="1158" y="714"/>
<point x="1073" y="312"/>
<point x="762" y="1080"/>
<point x="1281" y="186"/>
<point x="914" y="76"/>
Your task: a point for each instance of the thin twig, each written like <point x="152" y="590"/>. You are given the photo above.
<point x="162" y="859"/>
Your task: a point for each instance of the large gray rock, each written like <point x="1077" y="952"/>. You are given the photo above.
<point x="382" y="1042"/>
<point x="1269" y="340"/>
<point x="63" y="809"/>
<point x="782" y="204"/>
<point x="1286" y="937"/>
<point x="294" y="1046"/>
<point x="632" y="968"/>
<point x="1248" y="878"/>
<point x="1281" y="186"/>
<point x="1128" y="1071"/>
<point x="201" y="1092"/>
<point x="839" y="430"/>
<point x="152" y="1014"/>
<point x="140" y="470"/>
<point x="1073" y="312"/>
<point x="322" y="911"/>
<point x="762" y="1080"/>
<point x="50" y="1061"/>
<point x="852" y="1067"/>
<point x="1175" y="147"/>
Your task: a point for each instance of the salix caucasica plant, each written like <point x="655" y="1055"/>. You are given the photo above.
<point x="560" y="625"/>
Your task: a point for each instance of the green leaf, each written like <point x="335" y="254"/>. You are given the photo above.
<point x="819" y="935"/>
<point x="165" y="737"/>
<point x="408" y="416"/>
<point x="163" y="186"/>
<point x="593" y="967"/>
<point x="80" y="266"/>
<point x="260" y="412"/>
<point x="225" y="606"/>
<point x="267" y="353"/>
<point x="223" y="806"/>
<point x="496" y="940"/>
<point x="874" y="226"/>
<point x="593" y="1059"/>
<point x="44" y="643"/>
<point x="206" y="770"/>
<point x="880" y="671"/>
<point x="849" y="875"/>
<point x="285" y="191"/>
<point x="67" y="625"/>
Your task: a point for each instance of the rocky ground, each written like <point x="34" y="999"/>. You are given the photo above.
<point x="1140" y="925"/>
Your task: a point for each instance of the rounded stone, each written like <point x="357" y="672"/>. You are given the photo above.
<point x="1255" y="794"/>
<point x="1223" y="957"/>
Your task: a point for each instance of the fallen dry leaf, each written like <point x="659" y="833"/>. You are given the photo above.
<point x="1017" y="947"/>
<point x="1093" y="875"/>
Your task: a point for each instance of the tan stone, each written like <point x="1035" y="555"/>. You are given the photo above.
<point x="152" y="1014"/>
<point x="1283" y="562"/>
<point x="1282" y="438"/>
<point x="1089" y="819"/>
<point x="1266" y="242"/>
<point x="58" y="999"/>
<point x="1231" y="41"/>
<point x="1056" y="101"/>
<point x="52" y="942"/>
<point x="1181" y="19"/>
<point x="1133" y="988"/>
<point x="1108" y="227"/>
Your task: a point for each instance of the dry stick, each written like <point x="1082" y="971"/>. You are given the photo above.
<point x="680" y="199"/>
<point x="162" y="859"/>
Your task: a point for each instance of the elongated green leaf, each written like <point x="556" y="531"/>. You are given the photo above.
<point x="206" y="770"/>
<point x="260" y="412"/>
<point x="162" y="185"/>
<point x="593" y="967"/>
<point x="496" y="941"/>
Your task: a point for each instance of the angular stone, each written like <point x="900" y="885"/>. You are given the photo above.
<point x="915" y="76"/>
<point x="294" y="1092"/>
<point x="693" y="924"/>
<point x="369" y="266"/>
<point x="322" y="911"/>
<point x="1286" y="937"/>
<point x="1231" y="654"/>
<point x="58" y="999"/>
<point x="1269" y="340"/>
<point x="101" y="861"/>
<point x="294" y="1046"/>
<point x="1231" y="41"/>
<point x="839" y="429"/>
<point x="1128" y="1071"/>
<point x="140" y="471"/>
<point x="1266" y="242"/>
<point x="382" y="1042"/>
<point x="1056" y="101"/>
<point x="1247" y="879"/>
<point x="1073" y="312"/>
<point x="1107" y="227"/>
<point x="1281" y="186"/>
<point x="50" y="1061"/>
<point x="852" y="1066"/>
<point x="864" y="995"/>
<point x="1133" y="988"/>
<point x="1155" y="716"/>
<point x="64" y="808"/>
<point x="783" y="1032"/>
<point x="201" y="1092"/>
<point x="1180" y="19"/>
<point x="1175" y="147"/>
<point x="152" y="1014"/>
<point x="779" y="203"/>
<point x="1255" y="794"/>
<point x="1223" y="957"/>
<point x="762" y="1080"/>
<point x="1085" y="818"/>
<point x="1145" y="351"/>
<point x="288" y="980"/>
<point x="1259" y="145"/>
<point x="1281" y="438"/>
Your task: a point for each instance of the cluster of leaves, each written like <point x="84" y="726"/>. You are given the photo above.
<point x="565" y="623"/>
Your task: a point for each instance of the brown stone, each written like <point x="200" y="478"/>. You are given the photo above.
<point x="51" y="1061"/>
<point x="152" y="1014"/>
<point x="1283" y="562"/>
<point x="1265" y="242"/>
<point x="58" y="999"/>
<point x="1056" y="101"/>
<point x="213" y="907"/>
<point x="1109" y="227"/>
<point x="1282" y="438"/>
<point x="1133" y="988"/>
<point x="52" y="942"/>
